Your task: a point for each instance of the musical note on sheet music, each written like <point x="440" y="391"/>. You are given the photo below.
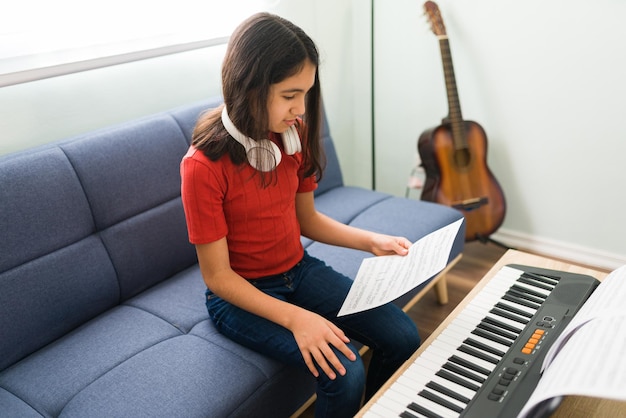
<point x="385" y="278"/>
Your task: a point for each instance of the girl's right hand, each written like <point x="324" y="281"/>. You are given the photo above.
<point x="314" y="336"/>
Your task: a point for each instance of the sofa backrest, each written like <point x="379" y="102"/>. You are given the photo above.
<point x="91" y="221"/>
<point x="55" y="272"/>
<point x="332" y="172"/>
<point x="86" y="224"/>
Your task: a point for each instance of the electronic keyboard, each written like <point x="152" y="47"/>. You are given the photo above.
<point x="487" y="361"/>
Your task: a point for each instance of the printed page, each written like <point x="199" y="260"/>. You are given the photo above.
<point x="588" y="357"/>
<point x="385" y="278"/>
<point x="607" y="300"/>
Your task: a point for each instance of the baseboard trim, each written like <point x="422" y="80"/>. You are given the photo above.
<point x="558" y="249"/>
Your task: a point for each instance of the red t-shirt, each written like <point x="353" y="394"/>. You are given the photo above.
<point x="260" y="224"/>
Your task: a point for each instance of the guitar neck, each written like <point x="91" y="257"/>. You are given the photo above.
<point x="454" y="106"/>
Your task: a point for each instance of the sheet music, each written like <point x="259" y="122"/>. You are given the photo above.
<point x="588" y="357"/>
<point x="385" y="278"/>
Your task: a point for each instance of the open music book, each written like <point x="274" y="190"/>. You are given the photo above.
<point x="589" y="357"/>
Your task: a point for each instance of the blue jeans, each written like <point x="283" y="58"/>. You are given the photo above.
<point x="387" y="331"/>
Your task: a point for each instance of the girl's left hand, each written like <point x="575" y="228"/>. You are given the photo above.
<point x="389" y="245"/>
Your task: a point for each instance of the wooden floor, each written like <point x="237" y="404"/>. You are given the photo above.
<point x="477" y="259"/>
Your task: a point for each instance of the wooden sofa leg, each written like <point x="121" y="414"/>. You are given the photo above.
<point x="441" y="290"/>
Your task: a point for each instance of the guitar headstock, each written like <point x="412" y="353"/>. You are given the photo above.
<point x="434" y="16"/>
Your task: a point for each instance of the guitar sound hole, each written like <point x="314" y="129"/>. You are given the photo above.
<point x="462" y="157"/>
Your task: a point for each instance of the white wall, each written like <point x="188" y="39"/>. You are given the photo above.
<point x="341" y="30"/>
<point x="545" y="79"/>
<point x="46" y="110"/>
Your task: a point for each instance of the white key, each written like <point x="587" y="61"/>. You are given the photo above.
<point x="382" y="411"/>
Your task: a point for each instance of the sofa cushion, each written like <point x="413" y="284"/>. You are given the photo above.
<point x="179" y="300"/>
<point x="346" y="203"/>
<point x="48" y="379"/>
<point x="185" y="376"/>
<point x="269" y="400"/>
<point x="149" y="248"/>
<point x="411" y="218"/>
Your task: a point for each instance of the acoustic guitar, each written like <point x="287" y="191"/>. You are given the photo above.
<point x="454" y="157"/>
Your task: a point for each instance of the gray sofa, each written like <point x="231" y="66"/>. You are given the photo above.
<point x="101" y="300"/>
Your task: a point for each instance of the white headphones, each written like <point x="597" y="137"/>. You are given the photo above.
<point x="256" y="151"/>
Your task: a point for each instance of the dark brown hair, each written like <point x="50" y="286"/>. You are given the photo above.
<point x="265" y="49"/>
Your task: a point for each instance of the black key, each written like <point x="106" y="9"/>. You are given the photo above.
<point x="535" y="283"/>
<point x="503" y="325"/>
<point x="448" y="392"/>
<point x="406" y="414"/>
<point x="439" y="400"/>
<point x="463" y="372"/>
<point x="539" y="295"/>
<point x="523" y="294"/>
<point x="513" y="309"/>
<point x="552" y="280"/>
<point x="468" y="364"/>
<point x="479" y="354"/>
<point x="520" y="301"/>
<point x="421" y="410"/>
<point x="496" y="330"/>
<point x="456" y="379"/>
<point x="482" y="333"/>
<point x="508" y="315"/>
<point x="475" y="343"/>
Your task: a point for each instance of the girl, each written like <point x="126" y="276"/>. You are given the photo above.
<point x="248" y="199"/>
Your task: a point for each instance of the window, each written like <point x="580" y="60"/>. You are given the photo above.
<point x="42" y="38"/>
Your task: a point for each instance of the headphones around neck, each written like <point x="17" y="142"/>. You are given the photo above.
<point x="257" y="150"/>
